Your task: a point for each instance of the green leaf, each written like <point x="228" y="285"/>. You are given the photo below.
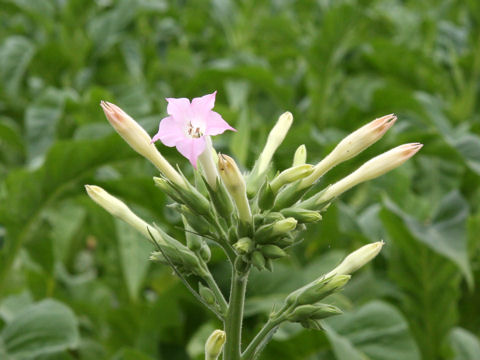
<point x="42" y="328"/>
<point x="15" y="55"/>
<point x="134" y="251"/>
<point x="465" y="344"/>
<point x="446" y="233"/>
<point x="376" y="331"/>
<point x="41" y="120"/>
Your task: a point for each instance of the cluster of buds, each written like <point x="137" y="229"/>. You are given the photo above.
<point x="256" y="217"/>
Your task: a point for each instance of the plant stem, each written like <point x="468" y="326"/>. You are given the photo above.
<point x="233" y="321"/>
<point x="255" y="345"/>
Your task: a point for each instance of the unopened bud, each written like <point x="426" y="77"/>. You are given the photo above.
<point x="317" y="290"/>
<point x="351" y="146"/>
<point x="139" y="140"/>
<point x="302" y="215"/>
<point x="206" y="294"/>
<point x="290" y="175"/>
<point x="314" y="312"/>
<point x="275" y="138"/>
<point x="214" y="345"/>
<point x="235" y="184"/>
<point x="372" y="169"/>
<point x="208" y="160"/>
<point x="272" y="251"/>
<point x="284" y="226"/>
<point x="244" y="246"/>
<point x="258" y="260"/>
<point x="357" y="259"/>
<point x="300" y="156"/>
<point x="120" y="210"/>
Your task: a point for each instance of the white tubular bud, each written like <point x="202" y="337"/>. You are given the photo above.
<point x="300" y="156"/>
<point x="373" y="168"/>
<point x="275" y="138"/>
<point x="351" y="146"/>
<point x="290" y="175"/>
<point x="208" y="160"/>
<point x="214" y="345"/>
<point x="235" y="184"/>
<point x="120" y="210"/>
<point x="357" y="259"/>
<point x="139" y="140"/>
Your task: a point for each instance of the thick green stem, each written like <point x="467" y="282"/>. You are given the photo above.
<point x="233" y="321"/>
<point x="257" y="342"/>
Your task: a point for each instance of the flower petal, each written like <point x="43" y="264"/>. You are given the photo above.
<point x="179" y="108"/>
<point x="170" y="131"/>
<point x="191" y="148"/>
<point x="202" y="105"/>
<point x="216" y="125"/>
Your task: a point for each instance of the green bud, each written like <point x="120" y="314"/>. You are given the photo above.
<point x="241" y="265"/>
<point x="269" y="265"/>
<point x="258" y="260"/>
<point x="311" y="324"/>
<point x="273" y="217"/>
<point x="266" y="197"/>
<point x="317" y="290"/>
<point x="221" y="199"/>
<point x="300" y="156"/>
<point x="314" y="312"/>
<point x="232" y="234"/>
<point x="244" y="246"/>
<point x="214" y="345"/>
<point x="206" y="294"/>
<point x="196" y="222"/>
<point x="166" y="186"/>
<point x="284" y="226"/>
<point x="205" y="252"/>
<point x="289" y="195"/>
<point x="290" y="175"/>
<point x="302" y="215"/>
<point x="194" y="241"/>
<point x="157" y="256"/>
<point x="272" y="251"/>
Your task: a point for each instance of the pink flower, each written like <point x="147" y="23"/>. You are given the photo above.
<point x="189" y="123"/>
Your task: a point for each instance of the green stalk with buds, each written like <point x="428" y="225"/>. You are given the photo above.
<point x="254" y="217"/>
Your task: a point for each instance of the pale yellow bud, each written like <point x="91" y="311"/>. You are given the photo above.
<point x="275" y="138"/>
<point x="373" y="168"/>
<point x="351" y="146"/>
<point x="300" y="156"/>
<point x="139" y="140"/>
<point x="120" y="210"/>
<point x="357" y="259"/>
<point x="214" y="345"/>
<point x="290" y="175"/>
<point x="235" y="184"/>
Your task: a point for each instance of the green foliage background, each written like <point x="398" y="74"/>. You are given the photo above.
<point x="76" y="284"/>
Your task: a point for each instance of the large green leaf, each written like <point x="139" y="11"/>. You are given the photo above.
<point x="42" y="328"/>
<point x="465" y="344"/>
<point x="446" y="232"/>
<point x="15" y="55"/>
<point x="134" y="251"/>
<point x="375" y="331"/>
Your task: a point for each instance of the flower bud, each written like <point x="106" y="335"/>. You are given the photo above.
<point x="284" y="226"/>
<point x="302" y="215"/>
<point x="272" y="251"/>
<point x="351" y="146"/>
<point x="317" y="290"/>
<point x="373" y="168"/>
<point x="290" y="175"/>
<point x="120" y="210"/>
<point x="275" y="138"/>
<point x="139" y="140"/>
<point x="206" y="294"/>
<point x="315" y="312"/>
<point x="300" y="156"/>
<point x="258" y="260"/>
<point x="357" y="259"/>
<point x="208" y="159"/>
<point x="214" y="345"/>
<point x="235" y="184"/>
<point x="244" y="245"/>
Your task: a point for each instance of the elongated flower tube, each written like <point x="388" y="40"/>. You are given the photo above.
<point x="373" y="168"/>
<point x="275" y="138"/>
<point x="235" y="184"/>
<point x="290" y="175"/>
<point x="120" y="210"/>
<point x="351" y="146"/>
<point x="357" y="259"/>
<point x="214" y="345"/>
<point x="300" y="156"/>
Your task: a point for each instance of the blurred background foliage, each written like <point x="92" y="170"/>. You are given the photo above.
<point x="76" y="284"/>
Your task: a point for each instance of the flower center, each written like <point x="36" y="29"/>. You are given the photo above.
<point x="193" y="131"/>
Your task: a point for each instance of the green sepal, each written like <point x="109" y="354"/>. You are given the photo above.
<point x="258" y="260"/>
<point x="271" y="251"/>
